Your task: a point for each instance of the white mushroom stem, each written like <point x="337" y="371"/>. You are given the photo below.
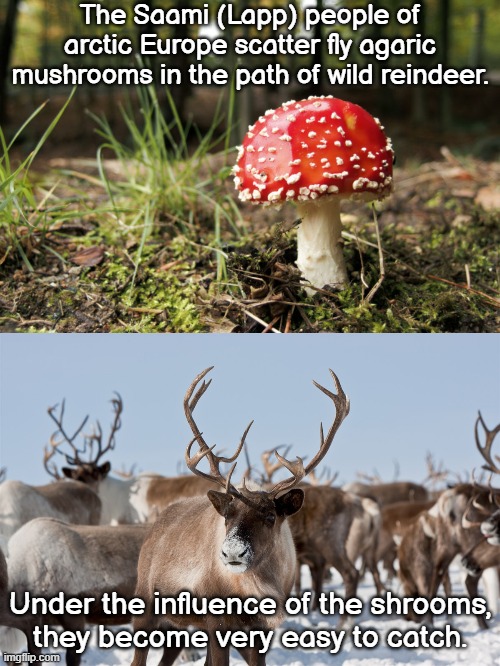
<point x="319" y="250"/>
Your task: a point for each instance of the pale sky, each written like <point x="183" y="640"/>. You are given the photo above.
<point x="410" y="394"/>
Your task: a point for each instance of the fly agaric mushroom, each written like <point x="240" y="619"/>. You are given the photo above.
<point x="315" y="152"/>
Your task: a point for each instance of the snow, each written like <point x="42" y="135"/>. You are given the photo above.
<point x="483" y="647"/>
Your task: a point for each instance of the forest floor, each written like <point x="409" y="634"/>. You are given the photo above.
<point x="84" y="260"/>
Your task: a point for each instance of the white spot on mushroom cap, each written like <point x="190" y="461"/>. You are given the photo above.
<point x="275" y="196"/>
<point x="245" y="195"/>
<point x="359" y="183"/>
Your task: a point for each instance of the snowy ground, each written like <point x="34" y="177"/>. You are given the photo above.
<point x="483" y="647"/>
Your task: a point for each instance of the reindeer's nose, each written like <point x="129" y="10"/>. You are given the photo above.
<point x="236" y="553"/>
<point x="490" y="529"/>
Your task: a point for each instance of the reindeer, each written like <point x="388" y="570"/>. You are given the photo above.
<point x="48" y="556"/>
<point x="334" y="529"/>
<point x="388" y="493"/>
<point x="114" y="492"/>
<point x="15" y="623"/>
<point x="72" y="501"/>
<point x="127" y="499"/>
<point x="226" y="544"/>
<point x="424" y="554"/>
<point x="482" y="551"/>
<point x="452" y="527"/>
<point x="396" y="518"/>
<point x="151" y="493"/>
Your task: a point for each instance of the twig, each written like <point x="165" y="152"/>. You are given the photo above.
<point x="269" y="327"/>
<point x="376" y="286"/>
<point x="33" y="322"/>
<point x="494" y="301"/>
<point x="260" y="321"/>
<point x="153" y="311"/>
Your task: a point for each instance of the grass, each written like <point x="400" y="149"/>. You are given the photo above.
<point x="22" y="215"/>
<point x="161" y="186"/>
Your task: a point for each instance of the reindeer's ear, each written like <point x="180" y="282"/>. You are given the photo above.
<point x="290" y="502"/>
<point x="70" y="472"/>
<point x="221" y="501"/>
<point x="104" y="469"/>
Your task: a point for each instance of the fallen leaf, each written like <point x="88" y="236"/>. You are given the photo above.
<point x="488" y="197"/>
<point x="90" y="256"/>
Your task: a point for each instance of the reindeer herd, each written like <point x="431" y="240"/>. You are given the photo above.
<point x="88" y="533"/>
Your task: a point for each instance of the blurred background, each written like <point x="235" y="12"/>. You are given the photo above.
<point x="421" y="118"/>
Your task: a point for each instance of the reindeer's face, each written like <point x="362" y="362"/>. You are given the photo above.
<point x="490" y="528"/>
<point x="251" y="526"/>
<point x="88" y="473"/>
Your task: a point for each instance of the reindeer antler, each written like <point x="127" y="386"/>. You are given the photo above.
<point x="115" y="426"/>
<point x="76" y="459"/>
<point x="342" y="405"/>
<point x="58" y="420"/>
<point x="214" y="461"/>
<point x="48" y="454"/>
<point x="436" y="473"/>
<point x="485" y="450"/>
<point x="269" y="467"/>
<point x="193" y="395"/>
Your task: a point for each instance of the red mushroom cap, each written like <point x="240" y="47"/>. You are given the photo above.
<point x="315" y="147"/>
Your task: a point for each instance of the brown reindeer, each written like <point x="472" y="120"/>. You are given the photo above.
<point x="485" y="553"/>
<point x="388" y="493"/>
<point x="424" y="554"/>
<point x="333" y="529"/>
<point x="151" y="493"/>
<point x="396" y="518"/>
<point x="235" y="543"/>
<point x="452" y="527"/>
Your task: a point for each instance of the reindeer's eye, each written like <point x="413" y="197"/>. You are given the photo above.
<point x="270" y="519"/>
